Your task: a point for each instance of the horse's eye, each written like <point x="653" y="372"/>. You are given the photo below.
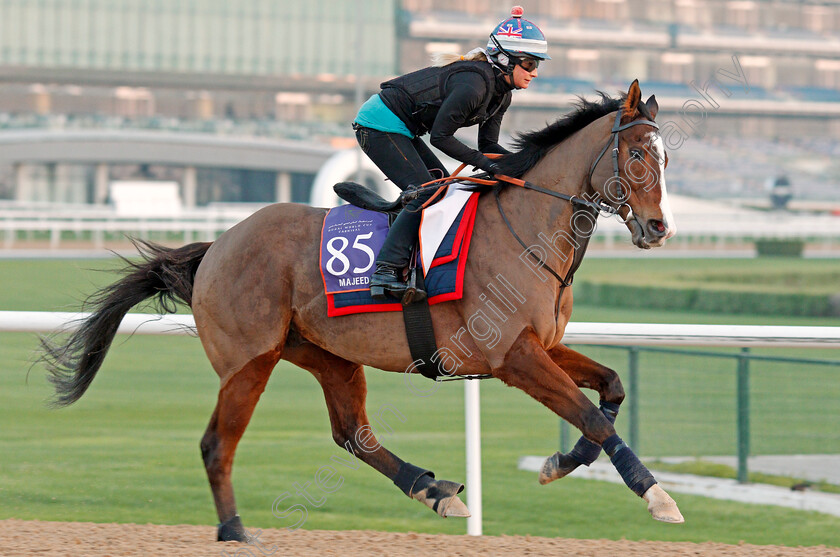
<point x="636" y="154"/>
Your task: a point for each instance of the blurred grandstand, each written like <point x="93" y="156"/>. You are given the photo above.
<point x="284" y="70"/>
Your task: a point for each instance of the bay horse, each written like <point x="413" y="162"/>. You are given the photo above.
<point x="257" y="297"/>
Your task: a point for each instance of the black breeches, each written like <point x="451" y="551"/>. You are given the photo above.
<point x="406" y="162"/>
<point x="403" y="234"/>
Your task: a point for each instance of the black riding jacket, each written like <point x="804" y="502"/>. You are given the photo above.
<point x="440" y="100"/>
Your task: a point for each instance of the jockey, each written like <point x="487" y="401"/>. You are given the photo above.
<point x="455" y="92"/>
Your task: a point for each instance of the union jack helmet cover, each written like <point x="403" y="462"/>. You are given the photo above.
<point x="518" y="37"/>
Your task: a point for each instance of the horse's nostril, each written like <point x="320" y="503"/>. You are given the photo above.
<point x="657" y="227"/>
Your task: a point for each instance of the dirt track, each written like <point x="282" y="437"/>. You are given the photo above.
<point x="20" y="538"/>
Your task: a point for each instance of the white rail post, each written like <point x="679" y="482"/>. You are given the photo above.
<point x="472" y="410"/>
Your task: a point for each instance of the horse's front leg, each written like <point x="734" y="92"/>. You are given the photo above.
<point x="529" y="367"/>
<point x="587" y="373"/>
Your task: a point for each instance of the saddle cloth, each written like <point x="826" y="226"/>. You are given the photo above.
<point x="352" y="237"/>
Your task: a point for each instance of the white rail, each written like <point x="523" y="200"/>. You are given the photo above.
<point x="654" y="334"/>
<point x="96" y="223"/>
<point x="80" y="221"/>
<point x="472" y="434"/>
<point x="630" y="334"/>
<point x="625" y="334"/>
<point x="134" y="323"/>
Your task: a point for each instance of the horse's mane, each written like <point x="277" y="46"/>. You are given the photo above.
<point x="532" y="146"/>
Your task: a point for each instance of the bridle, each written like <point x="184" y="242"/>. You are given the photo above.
<point x="596" y="206"/>
<point x="617" y="127"/>
<point x="599" y="206"/>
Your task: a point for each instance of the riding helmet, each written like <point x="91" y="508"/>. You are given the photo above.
<point x="516" y="37"/>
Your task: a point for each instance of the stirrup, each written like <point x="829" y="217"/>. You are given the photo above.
<point x="412" y="292"/>
<point x="406" y="293"/>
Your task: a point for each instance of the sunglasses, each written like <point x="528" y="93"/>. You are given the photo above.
<point x="528" y="64"/>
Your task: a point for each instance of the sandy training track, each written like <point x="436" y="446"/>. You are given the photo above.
<point x="21" y="538"/>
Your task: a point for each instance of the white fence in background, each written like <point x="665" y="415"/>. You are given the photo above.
<point x="627" y="334"/>
<point x="91" y="224"/>
<point x="737" y="228"/>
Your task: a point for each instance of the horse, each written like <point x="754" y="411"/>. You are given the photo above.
<point x="257" y="297"/>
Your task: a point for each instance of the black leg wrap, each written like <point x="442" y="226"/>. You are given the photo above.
<point x="232" y="530"/>
<point x="410" y="476"/>
<point x="637" y="477"/>
<point x="610" y="410"/>
<point x="585" y="451"/>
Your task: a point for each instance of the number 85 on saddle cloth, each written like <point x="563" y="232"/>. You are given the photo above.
<point x="351" y="239"/>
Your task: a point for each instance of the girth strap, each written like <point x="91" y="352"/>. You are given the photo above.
<point x="420" y="332"/>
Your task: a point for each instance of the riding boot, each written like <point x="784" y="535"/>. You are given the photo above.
<point x="394" y="255"/>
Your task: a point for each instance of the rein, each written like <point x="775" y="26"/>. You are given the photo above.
<point x="598" y="207"/>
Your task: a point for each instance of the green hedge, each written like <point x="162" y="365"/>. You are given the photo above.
<point x="712" y="301"/>
<point x="779" y="248"/>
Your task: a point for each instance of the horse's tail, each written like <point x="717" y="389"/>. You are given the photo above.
<point x="164" y="274"/>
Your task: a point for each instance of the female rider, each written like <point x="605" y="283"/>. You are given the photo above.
<point x="456" y="92"/>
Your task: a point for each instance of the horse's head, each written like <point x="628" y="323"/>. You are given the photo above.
<point x="639" y="186"/>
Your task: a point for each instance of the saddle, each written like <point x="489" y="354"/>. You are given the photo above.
<point x="416" y="314"/>
<point x="366" y="198"/>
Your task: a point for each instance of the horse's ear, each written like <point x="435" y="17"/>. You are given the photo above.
<point x="631" y="103"/>
<point x="652" y="106"/>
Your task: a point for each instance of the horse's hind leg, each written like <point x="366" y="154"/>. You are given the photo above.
<point x="235" y="406"/>
<point x="588" y="373"/>
<point x="529" y="367"/>
<point x="345" y="391"/>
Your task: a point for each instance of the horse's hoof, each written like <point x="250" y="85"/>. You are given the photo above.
<point x="456" y="508"/>
<point x="441" y="496"/>
<point x="557" y="466"/>
<point x="661" y="506"/>
<point x="232" y="530"/>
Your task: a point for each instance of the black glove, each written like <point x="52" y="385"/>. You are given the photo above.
<point x="490" y="167"/>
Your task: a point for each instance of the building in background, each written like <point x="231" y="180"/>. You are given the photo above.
<point x="179" y="90"/>
<point x="130" y="74"/>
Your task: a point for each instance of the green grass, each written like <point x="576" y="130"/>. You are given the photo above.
<point x="775" y="286"/>
<point x="779" y="275"/>
<point x="128" y="451"/>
